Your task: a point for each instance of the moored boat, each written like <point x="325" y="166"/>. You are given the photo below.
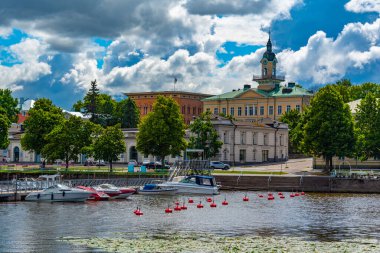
<point x="95" y="195"/>
<point x="59" y="193"/>
<point x="115" y="192"/>
<point x="193" y="184"/>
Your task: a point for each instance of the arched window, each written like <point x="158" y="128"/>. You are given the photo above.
<point x="265" y="71"/>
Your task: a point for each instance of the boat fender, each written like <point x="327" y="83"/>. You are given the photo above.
<point x="38" y="196"/>
<point x="63" y="194"/>
<point x="52" y="196"/>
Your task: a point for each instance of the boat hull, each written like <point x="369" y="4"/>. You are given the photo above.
<point x="158" y="192"/>
<point x="58" y="197"/>
<point x="191" y="189"/>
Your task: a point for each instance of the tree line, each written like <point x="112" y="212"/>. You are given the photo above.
<point x="327" y="128"/>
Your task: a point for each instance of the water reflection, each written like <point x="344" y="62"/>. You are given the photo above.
<point x="35" y="227"/>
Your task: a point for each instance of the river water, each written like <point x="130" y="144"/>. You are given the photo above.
<point x="321" y="218"/>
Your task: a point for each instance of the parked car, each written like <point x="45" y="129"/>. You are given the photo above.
<point x="133" y="162"/>
<point x="156" y="165"/>
<point x="219" y="165"/>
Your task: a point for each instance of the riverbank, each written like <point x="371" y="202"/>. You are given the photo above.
<point x="299" y="183"/>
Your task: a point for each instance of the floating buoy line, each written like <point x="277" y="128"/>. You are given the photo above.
<point x="181" y="205"/>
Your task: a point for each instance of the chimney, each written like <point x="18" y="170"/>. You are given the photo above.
<point x="247" y="86"/>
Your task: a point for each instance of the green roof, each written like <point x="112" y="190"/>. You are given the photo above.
<point x="277" y="92"/>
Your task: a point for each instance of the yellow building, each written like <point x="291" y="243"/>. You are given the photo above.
<point x="266" y="102"/>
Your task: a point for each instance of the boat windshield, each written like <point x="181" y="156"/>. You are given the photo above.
<point x="189" y="180"/>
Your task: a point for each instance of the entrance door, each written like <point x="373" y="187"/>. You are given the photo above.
<point x="16" y="154"/>
<point x="265" y="155"/>
<point x="242" y="155"/>
<point x="133" y="153"/>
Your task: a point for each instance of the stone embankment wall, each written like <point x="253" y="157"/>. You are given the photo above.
<point x="307" y="184"/>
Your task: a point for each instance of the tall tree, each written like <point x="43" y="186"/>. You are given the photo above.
<point x="109" y="144"/>
<point x="360" y="91"/>
<point x="91" y="103"/>
<point x="368" y="127"/>
<point x="127" y="113"/>
<point x="204" y="136"/>
<point x="328" y="130"/>
<point x="43" y="117"/>
<point x="9" y="104"/>
<point x="68" y="139"/>
<point x="5" y="123"/>
<point x="292" y="118"/>
<point x="162" y="131"/>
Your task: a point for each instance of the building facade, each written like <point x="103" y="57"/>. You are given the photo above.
<point x="267" y="102"/>
<point x="190" y="103"/>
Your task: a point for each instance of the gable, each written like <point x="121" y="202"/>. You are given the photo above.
<point x="251" y="94"/>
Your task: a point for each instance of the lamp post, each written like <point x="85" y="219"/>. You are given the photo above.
<point x="275" y="125"/>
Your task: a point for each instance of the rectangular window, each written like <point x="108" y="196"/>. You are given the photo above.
<point x="251" y="110"/>
<point x="200" y="110"/>
<point x="188" y="110"/>
<point x="183" y="109"/>
<point x="246" y="111"/>
<point x="270" y="110"/>
<point x="288" y="108"/>
<point x="242" y="138"/>
<point x="261" y="110"/>
<point x="239" y="111"/>
<point x="194" y="110"/>
<point x="254" y="137"/>
<point x="255" y="110"/>
<point x="216" y="111"/>
<point x="224" y="111"/>
<point x="232" y="111"/>
<point x="279" y="110"/>
<point x="298" y="107"/>
<point x="254" y="155"/>
<point x="265" y="139"/>
<point x="281" y="140"/>
<point x="225" y="137"/>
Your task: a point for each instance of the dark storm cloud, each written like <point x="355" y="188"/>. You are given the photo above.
<point x="227" y="7"/>
<point x="62" y="21"/>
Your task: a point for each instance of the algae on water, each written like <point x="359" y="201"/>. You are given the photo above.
<point x="210" y="243"/>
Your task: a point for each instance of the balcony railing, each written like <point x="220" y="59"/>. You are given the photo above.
<point x="275" y="77"/>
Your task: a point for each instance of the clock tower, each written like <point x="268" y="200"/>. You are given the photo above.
<point x="269" y="78"/>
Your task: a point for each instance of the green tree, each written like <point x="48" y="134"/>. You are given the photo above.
<point x="43" y="117"/>
<point x="368" y="127"/>
<point x="162" y="131"/>
<point x="292" y="118"/>
<point x="360" y="91"/>
<point x="343" y="87"/>
<point x="68" y="139"/>
<point x="91" y="101"/>
<point x="205" y="136"/>
<point x="9" y="104"/>
<point x="5" y="124"/>
<point x="127" y="113"/>
<point x="328" y="129"/>
<point x="109" y="144"/>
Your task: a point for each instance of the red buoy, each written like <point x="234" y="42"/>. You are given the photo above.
<point x="261" y="196"/>
<point x="213" y="204"/>
<point x="190" y="201"/>
<point x="200" y="205"/>
<point x="138" y="212"/>
<point x="225" y="203"/>
<point x="209" y="199"/>
<point x="183" y="207"/>
<point x="168" y="210"/>
<point x="245" y="198"/>
<point x="177" y="208"/>
<point x="297" y="194"/>
<point x="282" y="197"/>
<point x="270" y="197"/>
<point x="176" y="203"/>
<point x="302" y="193"/>
<point x="280" y="193"/>
<point x="292" y="195"/>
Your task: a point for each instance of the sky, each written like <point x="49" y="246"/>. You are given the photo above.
<point x="54" y="49"/>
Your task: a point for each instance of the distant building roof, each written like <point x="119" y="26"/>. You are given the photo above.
<point x="279" y="91"/>
<point x="165" y="93"/>
<point x="27" y="105"/>
<point x="77" y="114"/>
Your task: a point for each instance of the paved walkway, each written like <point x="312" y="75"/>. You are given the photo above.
<point x="292" y="166"/>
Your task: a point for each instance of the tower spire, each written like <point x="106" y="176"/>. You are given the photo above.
<point x="269" y="44"/>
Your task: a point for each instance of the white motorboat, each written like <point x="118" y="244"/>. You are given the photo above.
<point x="59" y="193"/>
<point x="193" y="184"/>
<point x="156" y="189"/>
<point x="115" y="192"/>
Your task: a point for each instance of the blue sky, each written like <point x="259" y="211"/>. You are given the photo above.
<point x="54" y="49"/>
